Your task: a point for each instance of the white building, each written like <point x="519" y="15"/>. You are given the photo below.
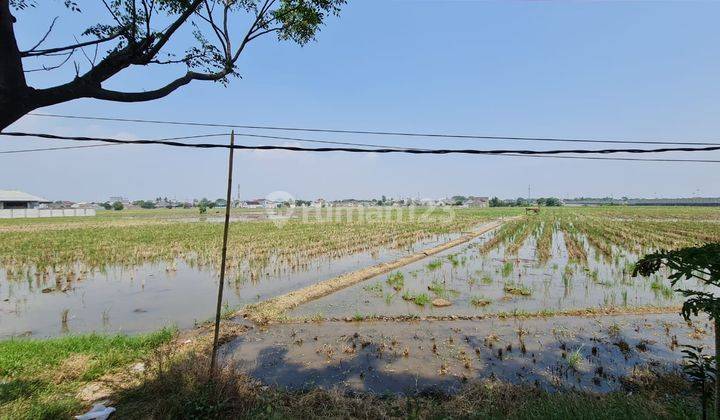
<point x="17" y="204"/>
<point x="11" y="200"/>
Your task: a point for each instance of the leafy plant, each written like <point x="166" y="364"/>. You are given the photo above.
<point x="703" y="264"/>
<point x="396" y="281"/>
<point x="575" y="358"/>
<point x="422" y="299"/>
<point x="517" y="289"/>
<point x="507" y="269"/>
<point x="389" y="298"/>
<point x="701" y="373"/>
<point x="375" y="288"/>
<point x="438" y="288"/>
<point x="434" y="265"/>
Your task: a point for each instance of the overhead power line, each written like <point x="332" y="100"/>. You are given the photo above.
<point x="304" y="140"/>
<point x="47" y="149"/>
<point x="379" y="133"/>
<point x="617" y="158"/>
<point x="173" y="142"/>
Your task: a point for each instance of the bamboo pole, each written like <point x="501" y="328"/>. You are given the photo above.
<point x="213" y="360"/>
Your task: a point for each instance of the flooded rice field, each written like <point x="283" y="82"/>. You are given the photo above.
<point x="593" y="354"/>
<point x="152" y="296"/>
<point x="488" y="276"/>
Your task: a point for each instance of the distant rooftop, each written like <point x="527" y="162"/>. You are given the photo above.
<point x="12" y="195"/>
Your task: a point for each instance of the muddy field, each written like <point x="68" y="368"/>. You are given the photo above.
<point x="584" y="353"/>
<point x="441" y="306"/>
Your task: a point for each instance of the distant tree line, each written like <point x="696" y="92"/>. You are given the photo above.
<point x="117" y="206"/>
<point x="524" y="202"/>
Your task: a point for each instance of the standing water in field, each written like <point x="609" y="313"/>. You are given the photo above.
<point x="152" y="296"/>
<point x="495" y="275"/>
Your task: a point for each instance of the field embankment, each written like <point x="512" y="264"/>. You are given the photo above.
<point x="274" y="309"/>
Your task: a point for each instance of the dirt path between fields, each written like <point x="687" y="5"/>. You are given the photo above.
<point x="274" y="309"/>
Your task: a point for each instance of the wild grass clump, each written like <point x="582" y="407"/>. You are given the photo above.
<point x="507" y="269"/>
<point x="434" y="265"/>
<point x="438" y="288"/>
<point x="420" y="299"/>
<point x="375" y="288"/>
<point x="517" y="289"/>
<point x="396" y="281"/>
<point x="575" y="358"/>
<point x="660" y="288"/>
<point x="453" y="260"/>
<point x="480" y="301"/>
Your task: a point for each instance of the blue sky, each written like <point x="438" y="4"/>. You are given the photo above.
<point x="627" y="70"/>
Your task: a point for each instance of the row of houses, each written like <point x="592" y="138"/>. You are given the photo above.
<point x="471" y="201"/>
<point x="19" y="200"/>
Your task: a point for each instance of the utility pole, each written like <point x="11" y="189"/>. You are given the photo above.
<point x="528" y="194"/>
<point x="213" y="360"/>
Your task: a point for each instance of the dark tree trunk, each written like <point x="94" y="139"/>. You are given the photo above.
<point x="17" y="98"/>
<point x="13" y="88"/>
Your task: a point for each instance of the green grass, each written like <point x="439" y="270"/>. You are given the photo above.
<point x="39" y="378"/>
<point x="421" y="299"/>
<point x="375" y="288"/>
<point x="389" y="298"/>
<point x="434" y="265"/>
<point x="453" y="260"/>
<point x="507" y="269"/>
<point x="439" y="288"/>
<point x="396" y="280"/>
<point x="575" y="358"/>
<point x="662" y="289"/>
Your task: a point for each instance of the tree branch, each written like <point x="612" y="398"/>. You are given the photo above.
<point x="34" y="53"/>
<point x="52" y="25"/>
<point x="57" y="66"/>
<point x="150" y="95"/>
<point x="266" y="31"/>
<point x="172" y="29"/>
